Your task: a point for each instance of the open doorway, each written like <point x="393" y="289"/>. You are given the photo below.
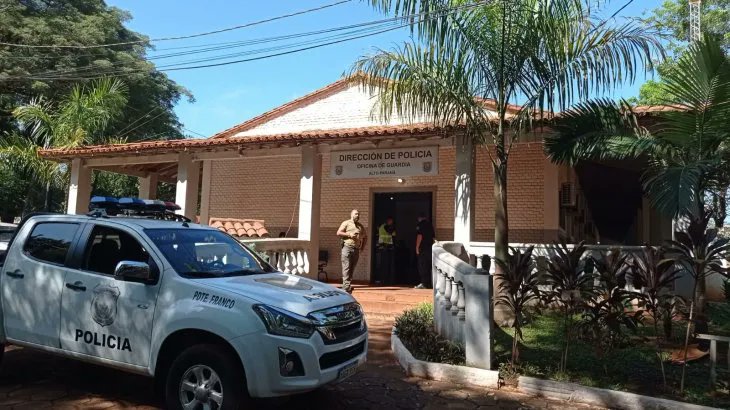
<point x="404" y="208"/>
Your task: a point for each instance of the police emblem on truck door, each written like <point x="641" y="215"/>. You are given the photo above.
<point x="104" y="304"/>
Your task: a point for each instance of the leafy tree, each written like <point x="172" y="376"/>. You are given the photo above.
<point x="498" y="66"/>
<point x="29" y="73"/>
<point x="687" y="149"/>
<point x="81" y="118"/>
<point x="688" y="146"/>
<point x="672" y="20"/>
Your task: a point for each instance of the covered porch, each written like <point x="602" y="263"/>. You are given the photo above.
<point x="189" y="164"/>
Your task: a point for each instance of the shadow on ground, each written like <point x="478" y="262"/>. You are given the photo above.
<point x="34" y="380"/>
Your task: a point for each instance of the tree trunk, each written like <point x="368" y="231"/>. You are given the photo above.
<point x="502" y="315"/>
<point x="47" y="201"/>
<point x="700" y="319"/>
<point x="719" y="207"/>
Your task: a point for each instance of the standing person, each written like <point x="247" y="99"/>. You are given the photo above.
<point x="424" y="241"/>
<point x="353" y="242"/>
<point x="386" y="260"/>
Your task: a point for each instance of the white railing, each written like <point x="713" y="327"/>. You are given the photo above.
<point x="542" y="252"/>
<point x="287" y="255"/>
<point x="462" y="303"/>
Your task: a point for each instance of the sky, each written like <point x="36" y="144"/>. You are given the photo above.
<point x="228" y="95"/>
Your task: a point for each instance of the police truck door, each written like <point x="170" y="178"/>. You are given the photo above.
<point x="103" y="316"/>
<point x="32" y="282"/>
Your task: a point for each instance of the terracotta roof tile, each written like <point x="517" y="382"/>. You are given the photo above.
<point x="318" y="94"/>
<point x="648" y="109"/>
<point x="297" y="138"/>
<point x="242" y="228"/>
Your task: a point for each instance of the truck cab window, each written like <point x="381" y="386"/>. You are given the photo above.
<point x="108" y="246"/>
<point x="50" y="242"/>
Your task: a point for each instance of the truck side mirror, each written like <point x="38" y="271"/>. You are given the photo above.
<point x="138" y="271"/>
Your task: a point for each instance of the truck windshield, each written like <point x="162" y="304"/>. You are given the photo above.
<point x="206" y="253"/>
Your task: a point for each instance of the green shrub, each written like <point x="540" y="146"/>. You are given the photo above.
<point x="415" y="329"/>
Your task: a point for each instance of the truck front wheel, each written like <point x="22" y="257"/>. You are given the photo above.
<point x="205" y="377"/>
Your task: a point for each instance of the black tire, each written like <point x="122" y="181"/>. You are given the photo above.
<point x="230" y="373"/>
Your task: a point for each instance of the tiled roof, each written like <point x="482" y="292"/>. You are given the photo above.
<point x="296" y="138"/>
<point x="650" y="109"/>
<point x="320" y="93"/>
<point x="242" y="228"/>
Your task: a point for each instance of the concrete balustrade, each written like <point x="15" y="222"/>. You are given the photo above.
<point x="462" y="303"/>
<point x="287" y="255"/>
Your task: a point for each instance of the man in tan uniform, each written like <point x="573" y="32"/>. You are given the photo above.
<point x="354" y="239"/>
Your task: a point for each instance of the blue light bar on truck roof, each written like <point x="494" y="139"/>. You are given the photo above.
<point x="128" y="206"/>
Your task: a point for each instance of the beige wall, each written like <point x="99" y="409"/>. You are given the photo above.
<point x="267" y="188"/>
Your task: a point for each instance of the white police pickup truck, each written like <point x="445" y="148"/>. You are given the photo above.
<point x="208" y="318"/>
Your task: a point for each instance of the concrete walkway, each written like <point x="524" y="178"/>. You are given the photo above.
<point x="33" y="380"/>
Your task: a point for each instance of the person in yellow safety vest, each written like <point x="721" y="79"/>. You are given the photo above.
<point x="386" y="232"/>
<point x="386" y="252"/>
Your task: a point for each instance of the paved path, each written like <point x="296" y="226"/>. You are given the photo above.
<point x="33" y="380"/>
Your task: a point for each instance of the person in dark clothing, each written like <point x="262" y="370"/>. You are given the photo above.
<point x="425" y="236"/>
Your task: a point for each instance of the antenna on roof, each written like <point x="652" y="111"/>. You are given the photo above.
<point x="695" y="20"/>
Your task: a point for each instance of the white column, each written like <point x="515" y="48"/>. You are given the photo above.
<point x="148" y="186"/>
<point x="310" y="187"/>
<point x="79" y="191"/>
<point x="186" y="193"/>
<point x="464" y="190"/>
<point x="205" y="192"/>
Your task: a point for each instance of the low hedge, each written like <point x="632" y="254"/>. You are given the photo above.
<point x="415" y="329"/>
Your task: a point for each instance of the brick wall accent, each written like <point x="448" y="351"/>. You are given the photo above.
<point x="257" y="188"/>
<point x="525" y="195"/>
<point x="267" y="189"/>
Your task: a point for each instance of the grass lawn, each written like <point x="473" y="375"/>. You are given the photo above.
<point x="634" y="368"/>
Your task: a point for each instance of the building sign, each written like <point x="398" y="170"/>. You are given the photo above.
<point x="375" y="163"/>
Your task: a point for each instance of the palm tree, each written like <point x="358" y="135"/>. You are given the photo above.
<point x="78" y="119"/>
<point x="496" y="67"/>
<point x="687" y="151"/>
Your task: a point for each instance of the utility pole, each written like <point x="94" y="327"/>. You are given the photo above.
<point x="695" y="26"/>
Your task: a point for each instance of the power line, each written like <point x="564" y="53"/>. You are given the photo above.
<point x="406" y="21"/>
<point x="203" y="48"/>
<point x="380" y="24"/>
<point x="181" y="37"/>
<point x="194" y="132"/>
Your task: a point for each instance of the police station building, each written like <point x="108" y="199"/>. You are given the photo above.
<point x="299" y="169"/>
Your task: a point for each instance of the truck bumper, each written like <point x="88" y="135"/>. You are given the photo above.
<point x="321" y="364"/>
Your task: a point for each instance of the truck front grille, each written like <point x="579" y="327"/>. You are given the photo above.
<point x="333" y="359"/>
<point x="340" y="323"/>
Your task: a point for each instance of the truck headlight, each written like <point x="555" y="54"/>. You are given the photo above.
<point x="283" y="323"/>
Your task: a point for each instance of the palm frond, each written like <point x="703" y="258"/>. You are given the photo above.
<point x="37" y="118"/>
<point x="21" y="154"/>
<point x="599" y="129"/>
<point x="422" y="85"/>
<point x="673" y="189"/>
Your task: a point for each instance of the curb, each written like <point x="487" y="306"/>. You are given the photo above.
<point x="549" y="389"/>
<point x="599" y="397"/>
<point x="439" y="371"/>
